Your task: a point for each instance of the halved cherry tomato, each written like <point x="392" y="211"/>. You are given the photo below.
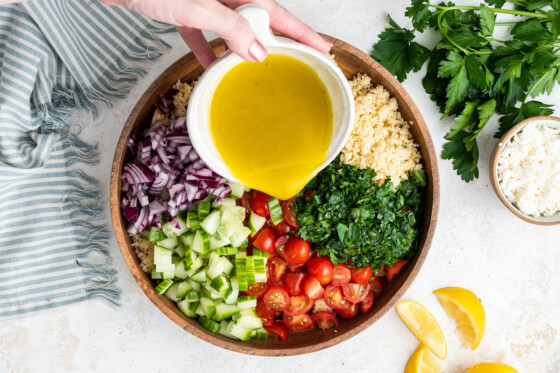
<point x="258" y="289"/>
<point x="297" y="251"/>
<point x="308" y="194"/>
<point x="277" y="298"/>
<point x="376" y="287"/>
<point x="341" y="275"/>
<point x="324" y="320"/>
<point x="265" y="240"/>
<point x="279" y="245"/>
<point x="278" y="329"/>
<point x="361" y="275"/>
<point x="348" y="312"/>
<point x="334" y="298"/>
<point x="281" y="229"/>
<point x="390" y="273"/>
<point x="259" y="203"/>
<point x="321" y="268"/>
<point x="355" y="293"/>
<point x="267" y="322"/>
<point x="246" y="202"/>
<point x="264" y="311"/>
<point x="288" y="213"/>
<point x="299" y="305"/>
<point x="293" y="282"/>
<point x="299" y="322"/>
<point x="312" y="288"/>
<point x="276" y="268"/>
<point x="367" y="303"/>
<point x="296" y="269"/>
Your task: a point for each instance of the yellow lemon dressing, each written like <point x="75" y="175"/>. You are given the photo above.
<point x="272" y="123"/>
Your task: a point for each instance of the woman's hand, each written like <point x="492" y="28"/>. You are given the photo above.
<point x="190" y="17"/>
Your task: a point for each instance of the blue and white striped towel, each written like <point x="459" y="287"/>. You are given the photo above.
<point x="57" y="56"/>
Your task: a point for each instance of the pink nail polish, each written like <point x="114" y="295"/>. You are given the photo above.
<point x="257" y="51"/>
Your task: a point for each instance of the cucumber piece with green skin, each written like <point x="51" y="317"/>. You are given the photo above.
<point x="168" y="275"/>
<point x="249" y="322"/>
<point x="200" y="276"/>
<point x="258" y="253"/>
<point x="239" y="332"/>
<point x="213" y="326"/>
<point x="275" y="211"/>
<point x="165" y="268"/>
<point x="249" y="301"/>
<point x="187" y="239"/>
<point x="225" y="202"/>
<point x="239" y="236"/>
<point x="209" y="292"/>
<point x="184" y="307"/>
<point x="213" y="256"/>
<point x="225" y="311"/>
<point x="201" y="242"/>
<point x="170" y="231"/>
<point x="162" y="255"/>
<point x="192" y="296"/>
<point x="237" y="190"/>
<point x="259" y="334"/>
<point x="180" y="271"/>
<point x="180" y="250"/>
<point x="168" y="243"/>
<point x="198" y="263"/>
<point x="208" y="307"/>
<point x="163" y="286"/>
<point x="227" y="250"/>
<point x="211" y="222"/>
<point x="193" y="221"/>
<point x="256" y="222"/>
<point x="233" y="214"/>
<point x="250" y="271"/>
<point x="223" y="329"/>
<point x="156" y="235"/>
<point x="221" y="285"/>
<point x="155" y="275"/>
<point x="232" y="297"/>
<point x="176" y="258"/>
<point x="204" y="208"/>
<point x="219" y="240"/>
<point x="245" y="312"/>
<point x="184" y="288"/>
<point x="171" y="293"/>
<point x="190" y="256"/>
<point x="259" y="265"/>
<point x="219" y="266"/>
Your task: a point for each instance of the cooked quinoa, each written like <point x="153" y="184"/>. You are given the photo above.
<point x="180" y="100"/>
<point x="145" y="251"/>
<point x="381" y="138"/>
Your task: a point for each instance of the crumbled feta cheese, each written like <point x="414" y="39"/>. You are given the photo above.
<point x="529" y="170"/>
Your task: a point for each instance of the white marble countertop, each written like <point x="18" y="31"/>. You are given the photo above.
<point x="479" y="245"/>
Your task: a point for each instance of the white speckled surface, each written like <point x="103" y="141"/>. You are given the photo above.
<point x="511" y="265"/>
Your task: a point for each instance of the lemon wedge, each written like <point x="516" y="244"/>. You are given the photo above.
<point x="491" y="368"/>
<point x="422" y="361"/>
<point x="467" y="310"/>
<point x="424" y="326"/>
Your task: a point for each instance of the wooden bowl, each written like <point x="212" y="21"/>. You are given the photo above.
<point x="352" y="61"/>
<point x="550" y="220"/>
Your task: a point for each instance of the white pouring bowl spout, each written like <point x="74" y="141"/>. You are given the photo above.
<point x="198" y="110"/>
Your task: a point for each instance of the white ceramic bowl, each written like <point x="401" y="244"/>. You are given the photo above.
<point x="201" y="97"/>
<point x="506" y="138"/>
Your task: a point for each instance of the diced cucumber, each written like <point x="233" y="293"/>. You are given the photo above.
<point x="195" y="266"/>
<point x="180" y="271"/>
<point x="258" y="253"/>
<point x="225" y="311"/>
<point x="209" y="292"/>
<point x="155" y="274"/>
<point x="163" y="286"/>
<point x="193" y="221"/>
<point x="165" y="268"/>
<point x="218" y="240"/>
<point x="233" y="214"/>
<point x="208" y="307"/>
<point x="211" y="222"/>
<point x="225" y="202"/>
<point x="190" y="256"/>
<point x="184" y="306"/>
<point x="256" y="222"/>
<point x="213" y="326"/>
<point x="249" y="322"/>
<point x="223" y="329"/>
<point x="170" y="231"/>
<point x="213" y="256"/>
<point x="187" y="239"/>
<point x="260" y="269"/>
<point x="247" y="312"/>
<point x="249" y="301"/>
<point x="239" y="236"/>
<point x="232" y="297"/>
<point x="168" y="275"/>
<point x="221" y="285"/>
<point x="156" y="235"/>
<point x="180" y="250"/>
<point x="237" y="190"/>
<point x="176" y="258"/>
<point x="239" y="332"/>
<point x="275" y="211"/>
<point x="227" y="250"/>
<point x="171" y="293"/>
<point x="219" y="266"/>
<point x="250" y="271"/>
<point x="162" y="255"/>
<point x="192" y="296"/>
<point x="200" y="276"/>
<point x="204" y="209"/>
<point x="201" y="243"/>
<point x="259" y="334"/>
<point x="184" y="288"/>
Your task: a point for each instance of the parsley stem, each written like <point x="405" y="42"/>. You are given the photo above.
<point x="496" y="10"/>
<point x="443" y="32"/>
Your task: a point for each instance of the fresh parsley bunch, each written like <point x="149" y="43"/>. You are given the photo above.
<point x="470" y="74"/>
<point x="351" y="218"/>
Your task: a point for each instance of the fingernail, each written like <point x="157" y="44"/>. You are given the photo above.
<point x="257" y="51"/>
<point x="328" y="42"/>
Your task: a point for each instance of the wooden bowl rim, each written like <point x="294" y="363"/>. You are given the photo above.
<point x="128" y="252"/>
<point x="494" y="169"/>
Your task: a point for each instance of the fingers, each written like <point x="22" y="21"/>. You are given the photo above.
<point x="198" y="45"/>
<point x="283" y="21"/>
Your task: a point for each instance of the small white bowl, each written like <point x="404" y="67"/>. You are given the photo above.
<point x="201" y="97"/>
<point x="545" y="220"/>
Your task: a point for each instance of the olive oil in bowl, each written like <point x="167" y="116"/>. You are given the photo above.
<point x="272" y="123"/>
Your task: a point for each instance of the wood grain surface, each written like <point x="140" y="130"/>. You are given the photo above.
<point x="352" y="61"/>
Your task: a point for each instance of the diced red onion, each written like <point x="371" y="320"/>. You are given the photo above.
<point x="131" y="214"/>
<point x="164" y="104"/>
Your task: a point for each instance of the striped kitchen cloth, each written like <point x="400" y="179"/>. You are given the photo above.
<point x="57" y="56"/>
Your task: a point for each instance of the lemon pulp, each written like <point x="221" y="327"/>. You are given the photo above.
<point x="272" y="123"/>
